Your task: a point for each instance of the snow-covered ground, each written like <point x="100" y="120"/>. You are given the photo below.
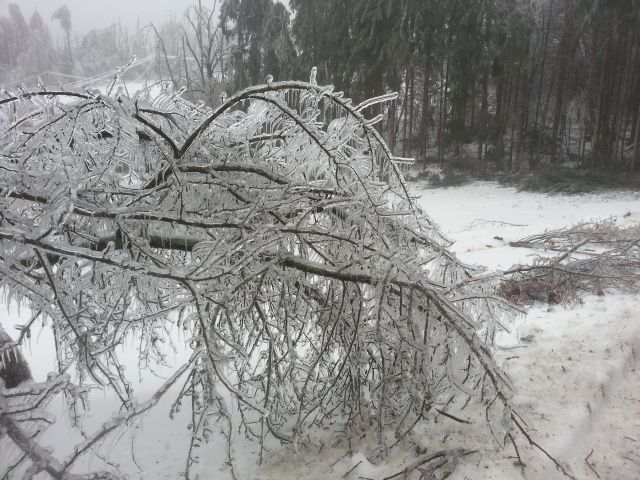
<point x="473" y="215"/>
<point x="576" y="378"/>
<point x="577" y="382"/>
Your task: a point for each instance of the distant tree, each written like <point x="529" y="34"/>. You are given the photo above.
<point x="27" y="47"/>
<point x="524" y="83"/>
<point x="321" y="30"/>
<point x="260" y="44"/>
<point x="20" y="23"/>
<point x="36" y="25"/>
<point x="14" y="33"/>
<point x="63" y="15"/>
<point x="190" y="53"/>
<point x="202" y="53"/>
<point x="39" y="55"/>
<point x="102" y="50"/>
<point x="278" y="52"/>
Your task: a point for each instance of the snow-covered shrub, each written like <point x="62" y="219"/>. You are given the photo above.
<point x="276" y="230"/>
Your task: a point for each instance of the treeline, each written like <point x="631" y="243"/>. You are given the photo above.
<point x="511" y="83"/>
<point x="28" y="53"/>
<point x="500" y="84"/>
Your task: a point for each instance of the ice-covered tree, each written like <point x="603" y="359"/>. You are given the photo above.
<point x="191" y="53"/>
<point x="13" y="35"/>
<point x="275" y="230"/>
<point x="63" y="15"/>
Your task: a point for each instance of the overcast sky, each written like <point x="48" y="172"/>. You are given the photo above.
<point x="89" y="14"/>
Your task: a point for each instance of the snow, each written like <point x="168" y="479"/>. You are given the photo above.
<point x="473" y="215"/>
<point x="576" y="377"/>
<point x="578" y="380"/>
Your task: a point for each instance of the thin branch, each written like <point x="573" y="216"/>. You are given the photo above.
<point x="123" y="418"/>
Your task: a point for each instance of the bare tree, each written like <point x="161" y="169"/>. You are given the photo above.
<point x="63" y="15"/>
<point x="196" y="60"/>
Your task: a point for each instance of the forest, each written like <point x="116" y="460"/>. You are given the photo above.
<point x="496" y="85"/>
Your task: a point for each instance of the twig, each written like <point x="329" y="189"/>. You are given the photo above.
<point x="586" y="459"/>
<point x="482" y="220"/>
<point x="42" y="459"/>
<point x="352" y="469"/>
<point x="533" y="443"/>
<point x="521" y="464"/>
<point x="121" y="419"/>
<point x="452" y="417"/>
<point x="429" y="458"/>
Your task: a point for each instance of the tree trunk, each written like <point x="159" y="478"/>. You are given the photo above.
<point x="424" y="121"/>
<point x="412" y="93"/>
<point x="538" y="131"/>
<point x="443" y="105"/>
<point x="636" y="143"/>
<point x="484" y="113"/>
<point x="405" y="109"/>
<point x="13" y="368"/>
<point x="565" y="51"/>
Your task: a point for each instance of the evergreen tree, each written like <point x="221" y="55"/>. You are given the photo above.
<point x="63" y="15"/>
<point x="39" y="56"/>
<point x="260" y="34"/>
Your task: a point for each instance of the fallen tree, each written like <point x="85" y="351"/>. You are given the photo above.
<point x="276" y="231"/>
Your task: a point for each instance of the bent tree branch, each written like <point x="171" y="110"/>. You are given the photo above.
<point x="276" y="231"/>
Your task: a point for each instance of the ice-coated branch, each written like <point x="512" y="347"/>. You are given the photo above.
<point x="275" y="231"/>
<point x="122" y="418"/>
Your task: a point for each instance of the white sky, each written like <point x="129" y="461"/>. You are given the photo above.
<point x="89" y="14"/>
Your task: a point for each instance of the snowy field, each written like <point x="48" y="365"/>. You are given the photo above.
<point x="576" y="376"/>
<point x="577" y="380"/>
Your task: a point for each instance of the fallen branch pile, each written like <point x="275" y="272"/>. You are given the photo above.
<point x="594" y="257"/>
